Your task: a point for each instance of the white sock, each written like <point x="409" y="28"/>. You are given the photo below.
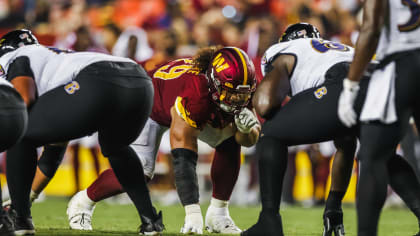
<point x="219" y="207"/>
<point x="86" y="198"/>
<point x="33" y="196"/>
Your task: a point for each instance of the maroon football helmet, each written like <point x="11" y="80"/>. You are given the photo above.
<point x="231" y="76"/>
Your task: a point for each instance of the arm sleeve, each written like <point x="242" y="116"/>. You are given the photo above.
<point x="19" y="67"/>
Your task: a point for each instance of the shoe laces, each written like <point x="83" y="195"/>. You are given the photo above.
<point x="6" y="219"/>
<point x="83" y="219"/>
<point x="225" y="222"/>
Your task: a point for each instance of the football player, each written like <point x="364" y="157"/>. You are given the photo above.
<point x="13" y="121"/>
<point x="391" y="28"/>
<point x="207" y="98"/>
<point x="70" y="95"/>
<point x="311" y="70"/>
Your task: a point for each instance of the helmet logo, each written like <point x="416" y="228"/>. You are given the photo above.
<point x="25" y="36"/>
<point x="301" y="33"/>
<point x="219" y="63"/>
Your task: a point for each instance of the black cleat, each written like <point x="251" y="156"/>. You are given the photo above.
<point x="6" y="225"/>
<point x="333" y="223"/>
<point x="269" y="224"/>
<point x="22" y="225"/>
<point x="151" y="227"/>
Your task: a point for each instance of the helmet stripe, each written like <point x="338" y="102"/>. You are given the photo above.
<point x="243" y="65"/>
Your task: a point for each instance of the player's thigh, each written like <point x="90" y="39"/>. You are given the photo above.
<point x="60" y="115"/>
<point x="13" y="117"/>
<point x="309" y="117"/>
<point x="130" y="114"/>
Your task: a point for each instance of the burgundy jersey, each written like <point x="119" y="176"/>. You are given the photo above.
<point x="180" y="85"/>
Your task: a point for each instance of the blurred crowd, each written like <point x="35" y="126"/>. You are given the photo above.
<point x="155" y="31"/>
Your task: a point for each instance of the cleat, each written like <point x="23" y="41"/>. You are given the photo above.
<point x="220" y="223"/>
<point x="22" y="225"/>
<point x="333" y="223"/>
<point x="79" y="211"/>
<point x="6" y="225"/>
<point x="149" y="227"/>
<point x="269" y="224"/>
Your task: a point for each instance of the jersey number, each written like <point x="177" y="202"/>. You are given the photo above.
<point x="174" y="72"/>
<point x="323" y="46"/>
<point x="414" y="20"/>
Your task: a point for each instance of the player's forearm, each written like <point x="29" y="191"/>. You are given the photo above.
<point x="373" y="19"/>
<point x="25" y="85"/>
<point x="365" y="49"/>
<point x="250" y="139"/>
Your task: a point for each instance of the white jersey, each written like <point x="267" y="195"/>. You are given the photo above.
<point x="5" y="82"/>
<point x="53" y="67"/>
<point x="402" y="32"/>
<point x="313" y="59"/>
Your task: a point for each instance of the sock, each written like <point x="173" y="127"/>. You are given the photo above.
<point x="86" y="200"/>
<point x="129" y="171"/>
<point x="105" y="186"/>
<point x="225" y="168"/>
<point x="33" y="196"/>
<point x="334" y="200"/>
<point x="218" y="203"/>
<point x="218" y="207"/>
<point x="21" y="165"/>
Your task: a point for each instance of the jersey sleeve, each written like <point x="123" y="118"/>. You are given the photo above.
<point x="270" y="55"/>
<point x="193" y="104"/>
<point x="19" y="67"/>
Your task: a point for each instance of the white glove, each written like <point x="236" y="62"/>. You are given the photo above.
<point x="245" y="121"/>
<point x="193" y="220"/>
<point x="346" y="112"/>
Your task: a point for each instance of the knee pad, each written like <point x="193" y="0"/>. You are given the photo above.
<point x="271" y="149"/>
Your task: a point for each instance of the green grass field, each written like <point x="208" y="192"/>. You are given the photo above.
<point x="50" y="219"/>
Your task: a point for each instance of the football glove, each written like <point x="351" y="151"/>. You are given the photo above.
<point x="246" y="120"/>
<point x="193" y="220"/>
<point x="348" y="95"/>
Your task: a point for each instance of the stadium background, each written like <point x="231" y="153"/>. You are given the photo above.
<point x="169" y="29"/>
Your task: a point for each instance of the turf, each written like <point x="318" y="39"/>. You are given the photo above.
<point x="50" y="219"/>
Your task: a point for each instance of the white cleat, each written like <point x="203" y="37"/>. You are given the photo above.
<point x="80" y="210"/>
<point x="218" y="221"/>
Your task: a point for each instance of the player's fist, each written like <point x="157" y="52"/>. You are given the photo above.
<point x="346" y="100"/>
<point x="246" y="120"/>
<point x="193" y="223"/>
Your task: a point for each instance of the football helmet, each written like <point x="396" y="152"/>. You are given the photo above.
<point x="16" y="39"/>
<point x="300" y="30"/>
<point x="231" y="77"/>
